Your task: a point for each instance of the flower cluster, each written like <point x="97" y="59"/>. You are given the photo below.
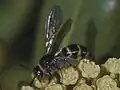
<point x="86" y="76"/>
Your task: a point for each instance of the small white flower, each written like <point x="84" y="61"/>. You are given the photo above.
<point x="55" y="87"/>
<point x="83" y="87"/>
<point x="27" y="88"/>
<point x="112" y="65"/>
<point x="88" y="68"/>
<point x="106" y="83"/>
<point x="41" y="84"/>
<point x="81" y="81"/>
<point x="53" y="81"/>
<point x="69" y="76"/>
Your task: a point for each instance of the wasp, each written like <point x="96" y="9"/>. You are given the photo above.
<point x="55" y="58"/>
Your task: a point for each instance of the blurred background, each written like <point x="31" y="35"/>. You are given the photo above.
<point x="96" y="24"/>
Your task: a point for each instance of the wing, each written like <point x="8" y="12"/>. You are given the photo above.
<point x="62" y="33"/>
<point x="52" y="25"/>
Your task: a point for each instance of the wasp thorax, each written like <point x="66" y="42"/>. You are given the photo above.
<point x="45" y="60"/>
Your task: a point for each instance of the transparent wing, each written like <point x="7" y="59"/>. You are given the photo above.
<point x="52" y="25"/>
<point x="65" y="28"/>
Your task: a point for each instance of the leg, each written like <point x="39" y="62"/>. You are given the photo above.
<point x="67" y="62"/>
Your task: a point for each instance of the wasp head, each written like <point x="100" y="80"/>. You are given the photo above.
<point x="38" y="72"/>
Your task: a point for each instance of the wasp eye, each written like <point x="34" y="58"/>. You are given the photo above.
<point x="38" y="73"/>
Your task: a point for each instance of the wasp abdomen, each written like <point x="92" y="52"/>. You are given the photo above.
<point x="75" y="51"/>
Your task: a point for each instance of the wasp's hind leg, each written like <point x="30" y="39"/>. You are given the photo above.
<point x="53" y="73"/>
<point x="68" y="63"/>
<point x="55" y="77"/>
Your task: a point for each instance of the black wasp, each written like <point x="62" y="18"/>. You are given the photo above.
<point x="55" y="59"/>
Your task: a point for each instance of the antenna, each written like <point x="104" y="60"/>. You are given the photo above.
<point x="32" y="81"/>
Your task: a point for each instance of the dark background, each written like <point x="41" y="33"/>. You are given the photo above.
<point x="95" y="24"/>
